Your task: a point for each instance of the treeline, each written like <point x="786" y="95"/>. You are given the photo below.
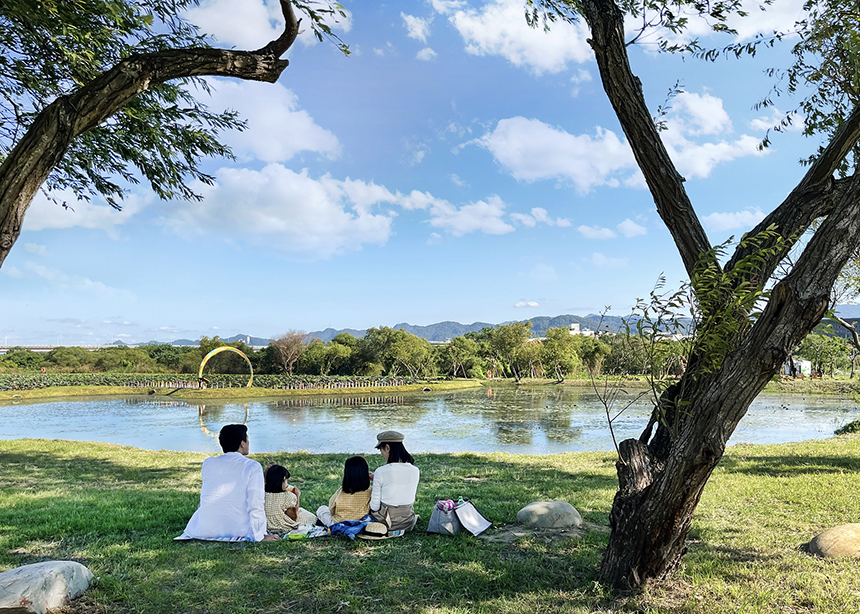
<point x="506" y="351"/>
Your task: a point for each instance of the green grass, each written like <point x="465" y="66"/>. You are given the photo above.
<point x="116" y="509"/>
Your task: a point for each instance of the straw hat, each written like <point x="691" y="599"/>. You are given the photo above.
<point x="374" y="530"/>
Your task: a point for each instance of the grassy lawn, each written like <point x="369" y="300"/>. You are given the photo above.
<point x="116" y="509"/>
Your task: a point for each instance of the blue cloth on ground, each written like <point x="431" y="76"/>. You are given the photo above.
<point x="350" y="528"/>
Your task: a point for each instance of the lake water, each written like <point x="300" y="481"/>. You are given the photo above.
<point x="528" y="421"/>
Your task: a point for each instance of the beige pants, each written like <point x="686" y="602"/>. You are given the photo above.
<point x="395" y="517"/>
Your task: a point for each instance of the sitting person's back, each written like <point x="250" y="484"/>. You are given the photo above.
<point x="394" y="484"/>
<point x="352" y="499"/>
<point x="231" y="497"/>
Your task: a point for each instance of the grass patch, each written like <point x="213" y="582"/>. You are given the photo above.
<point x="116" y="510"/>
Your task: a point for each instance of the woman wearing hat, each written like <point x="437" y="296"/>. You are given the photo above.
<point x="394" y="484"/>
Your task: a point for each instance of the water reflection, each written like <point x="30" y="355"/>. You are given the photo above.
<point x="536" y="421"/>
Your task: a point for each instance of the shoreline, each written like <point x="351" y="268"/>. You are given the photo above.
<point x="824" y="387"/>
<point x="208" y="394"/>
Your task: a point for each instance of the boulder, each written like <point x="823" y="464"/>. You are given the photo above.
<point x="37" y="588"/>
<point x="843" y="540"/>
<point x="549" y="515"/>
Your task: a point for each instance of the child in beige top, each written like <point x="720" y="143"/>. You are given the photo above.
<point x="352" y="499"/>
<point x="283" y="513"/>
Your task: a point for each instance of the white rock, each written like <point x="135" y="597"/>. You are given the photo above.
<point x="843" y="540"/>
<point x="549" y="515"/>
<point x="41" y="587"/>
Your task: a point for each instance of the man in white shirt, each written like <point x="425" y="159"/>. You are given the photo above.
<point x="232" y="495"/>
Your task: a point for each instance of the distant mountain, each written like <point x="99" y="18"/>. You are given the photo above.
<point x="443" y="331"/>
<point x="246" y="339"/>
<point x="330" y="333"/>
<point x="848" y="311"/>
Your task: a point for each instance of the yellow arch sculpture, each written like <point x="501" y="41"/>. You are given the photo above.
<point x="225" y="348"/>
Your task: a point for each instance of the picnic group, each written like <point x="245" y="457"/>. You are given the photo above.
<point x="242" y="501"/>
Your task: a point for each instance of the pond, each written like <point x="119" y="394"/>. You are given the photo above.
<point x="528" y="421"/>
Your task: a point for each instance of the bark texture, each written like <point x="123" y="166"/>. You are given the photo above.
<point x="662" y="474"/>
<point x="45" y="143"/>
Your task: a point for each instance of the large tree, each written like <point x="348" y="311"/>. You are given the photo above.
<point x="287" y="349"/>
<point x="662" y="474"/>
<point x="94" y="92"/>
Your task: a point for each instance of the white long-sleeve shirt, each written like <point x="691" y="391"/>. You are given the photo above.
<point x="231" y="501"/>
<point x="394" y="484"/>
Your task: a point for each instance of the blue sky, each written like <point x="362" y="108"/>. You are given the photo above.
<point x="457" y="166"/>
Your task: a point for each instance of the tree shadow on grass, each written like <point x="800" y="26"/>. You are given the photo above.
<point x="790" y="465"/>
<point x="126" y="539"/>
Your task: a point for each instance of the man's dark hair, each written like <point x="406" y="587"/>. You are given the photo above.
<point x="397" y="453"/>
<point x="355" y="475"/>
<point x="275" y="476"/>
<point x="232" y="436"/>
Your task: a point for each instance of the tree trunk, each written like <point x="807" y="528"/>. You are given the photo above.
<point x="660" y="481"/>
<point x="33" y="158"/>
<point x="662" y="477"/>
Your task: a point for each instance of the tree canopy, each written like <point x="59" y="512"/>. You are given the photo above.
<point x="95" y="94"/>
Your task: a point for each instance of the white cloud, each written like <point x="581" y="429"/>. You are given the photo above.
<point x="525" y="220"/>
<point x="770" y="122"/>
<point x="599" y="261"/>
<point x="288" y="211"/>
<point x="696" y="115"/>
<point x="44" y="214"/>
<point x="426" y="54"/>
<point x="458" y="181"/>
<point x="629" y="228"/>
<point x="482" y="216"/>
<point x="434" y="238"/>
<point x="12" y="271"/>
<point x="698" y="160"/>
<point x="36" y="249"/>
<point x="251" y="24"/>
<point x="596" y="232"/>
<point x="700" y="114"/>
<point x="278" y="129"/>
<point x="530" y="150"/>
<point x="241" y="23"/>
<point x="539" y="215"/>
<point x="499" y="28"/>
<point x="580" y="77"/>
<point x="521" y="304"/>
<point x="389" y="49"/>
<point x="417" y="27"/>
<point x="780" y="15"/>
<point x="73" y="283"/>
<point x="734" y="220"/>
<point x="318" y="218"/>
<point x="543" y="272"/>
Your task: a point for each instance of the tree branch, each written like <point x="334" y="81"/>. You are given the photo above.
<point x="625" y="93"/>
<point x="813" y="197"/>
<point x="855" y="337"/>
<point x="33" y="158"/>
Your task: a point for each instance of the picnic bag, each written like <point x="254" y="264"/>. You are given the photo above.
<point x="448" y="518"/>
<point x="443" y="521"/>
